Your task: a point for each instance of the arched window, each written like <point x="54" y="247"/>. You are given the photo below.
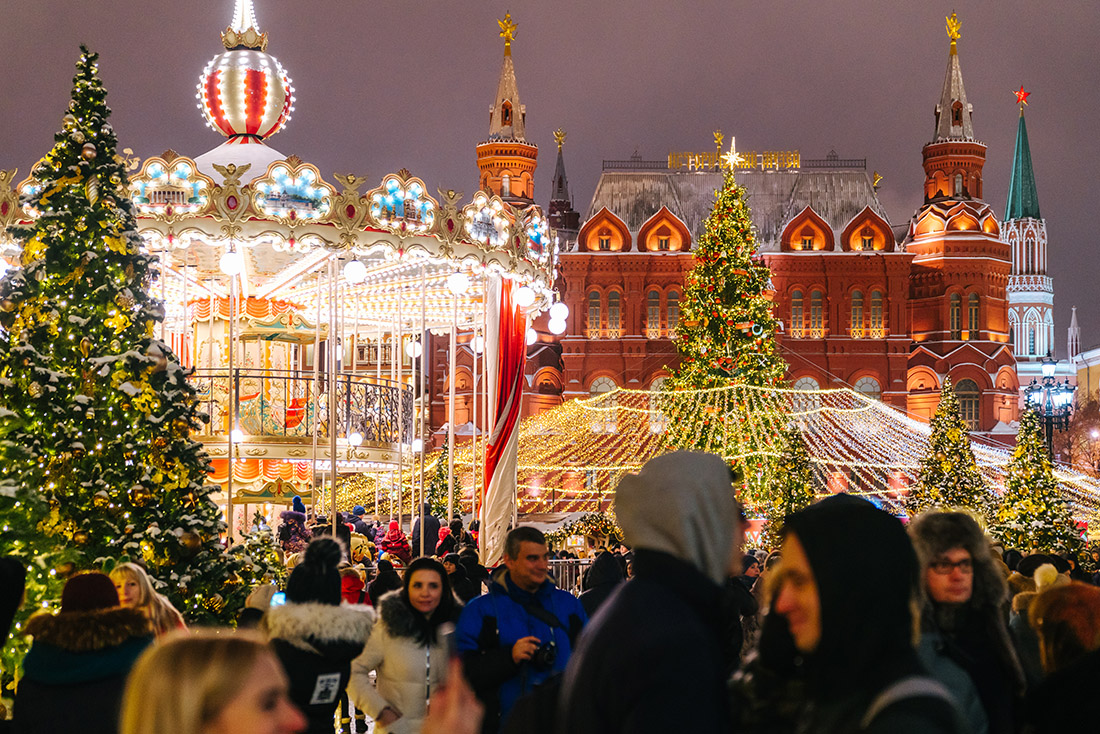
<point x="972" y="316"/>
<point x="805" y="401"/>
<point x="604" y="410"/>
<point x="955" y="316"/>
<point x="867" y="238"/>
<point x="506" y="185"/>
<point x="817" y="315"/>
<point x="653" y="315"/>
<point x="594" y="315"/>
<point x="857" y="314"/>
<point x="797" y="322"/>
<point x="878" y="326"/>
<point x="506" y="114"/>
<point x="1031" y="341"/>
<point x="967" y="391"/>
<point x="807" y="238"/>
<point x="658" y="421"/>
<point x="614" y="315"/>
<point x="673" y="301"/>
<point x="868" y="387"/>
<point x="958" y="184"/>
<point x="604" y="238"/>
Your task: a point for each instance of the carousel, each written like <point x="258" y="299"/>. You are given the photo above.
<point x="305" y="306"/>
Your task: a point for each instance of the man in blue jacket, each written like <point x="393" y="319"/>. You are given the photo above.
<point x="521" y="632"/>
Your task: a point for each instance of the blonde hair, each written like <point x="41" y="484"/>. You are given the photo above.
<point x="156" y="607"/>
<point x="185" y="682"/>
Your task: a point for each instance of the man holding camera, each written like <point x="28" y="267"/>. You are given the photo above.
<point x="522" y="632"/>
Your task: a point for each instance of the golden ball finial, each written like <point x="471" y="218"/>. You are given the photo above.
<point x="507" y="31"/>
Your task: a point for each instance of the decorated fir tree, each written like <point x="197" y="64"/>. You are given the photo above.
<point x="791" y="487"/>
<point x="727" y="331"/>
<point x="949" y="476"/>
<point x="437" y="494"/>
<point x="1032" y="516"/>
<point x="96" y="460"/>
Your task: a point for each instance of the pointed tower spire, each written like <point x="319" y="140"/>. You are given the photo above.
<point x="953" y="113"/>
<point x="506" y="160"/>
<point x="1023" y="200"/>
<point x="560" y="189"/>
<point x="243" y="30"/>
<point x="1074" y="336"/>
<point x="507" y="117"/>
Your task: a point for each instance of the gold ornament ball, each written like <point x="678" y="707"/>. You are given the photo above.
<point x="140" y="496"/>
<point x="214" y="603"/>
<point x="80" y="537"/>
<point x="191" y="542"/>
<point x="88" y="152"/>
<point x="34" y="390"/>
<point x="100" y="500"/>
<point x="7" y="305"/>
<point x="69" y="120"/>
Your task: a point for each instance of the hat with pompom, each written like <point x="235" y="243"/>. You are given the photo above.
<point x="316" y="578"/>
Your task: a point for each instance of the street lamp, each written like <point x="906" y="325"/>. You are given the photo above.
<point x="1053" y="401"/>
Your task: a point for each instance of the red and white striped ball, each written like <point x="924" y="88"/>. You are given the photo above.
<point x="246" y="92"/>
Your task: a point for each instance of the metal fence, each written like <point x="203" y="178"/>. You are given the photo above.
<point x="568" y="572"/>
<point x="289" y="403"/>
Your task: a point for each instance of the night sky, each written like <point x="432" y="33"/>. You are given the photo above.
<point x="385" y="85"/>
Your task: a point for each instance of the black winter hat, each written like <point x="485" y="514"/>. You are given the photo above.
<point x="748" y="561"/>
<point x="316" y="579"/>
<point x="1027" y="566"/>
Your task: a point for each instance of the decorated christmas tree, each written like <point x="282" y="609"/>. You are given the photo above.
<point x="437" y="494"/>
<point x="727" y="331"/>
<point x="949" y="476"/>
<point x="96" y="460"/>
<point x="791" y="488"/>
<point x="1032" y="516"/>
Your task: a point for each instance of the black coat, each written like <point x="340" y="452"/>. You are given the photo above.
<point x="75" y="672"/>
<point x="651" y="659"/>
<point x="315" y="644"/>
<point x="428" y="525"/>
<point x="1062" y="701"/>
<point x="602" y="579"/>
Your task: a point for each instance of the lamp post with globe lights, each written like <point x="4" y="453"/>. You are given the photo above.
<point x="1053" y="401"/>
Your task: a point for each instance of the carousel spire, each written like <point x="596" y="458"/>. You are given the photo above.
<point x="243" y="30"/>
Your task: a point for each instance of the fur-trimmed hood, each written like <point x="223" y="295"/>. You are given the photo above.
<point x="400" y="618"/>
<point x="88" y="631"/>
<point x="935" y="533"/>
<point x="319" y="627"/>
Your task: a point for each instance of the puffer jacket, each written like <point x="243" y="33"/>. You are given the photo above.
<point x="75" y="671"/>
<point x="316" y="644"/>
<point x="407" y="670"/>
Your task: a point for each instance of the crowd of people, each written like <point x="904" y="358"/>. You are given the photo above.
<point x="856" y="623"/>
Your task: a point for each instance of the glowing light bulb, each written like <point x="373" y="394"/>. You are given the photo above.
<point x="231" y="263"/>
<point x="236" y="435"/>
<point x="532" y="337"/>
<point x="525" y="297"/>
<point x="556" y="326"/>
<point x="559" y="312"/>
<point x="355" y="272"/>
<point x="413" y="349"/>
<point x="458" y="283"/>
<point x="417" y="445"/>
<point x="479" y="344"/>
<point x="355" y="438"/>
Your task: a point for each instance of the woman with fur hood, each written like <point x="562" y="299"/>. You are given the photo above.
<point x="964" y="640"/>
<point x="315" y="636"/>
<point x="406" y="650"/>
<point x="75" y="671"/>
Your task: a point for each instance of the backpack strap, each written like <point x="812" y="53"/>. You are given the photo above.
<point x="914" y="686"/>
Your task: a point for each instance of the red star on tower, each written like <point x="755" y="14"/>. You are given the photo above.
<point x="1021" y="96"/>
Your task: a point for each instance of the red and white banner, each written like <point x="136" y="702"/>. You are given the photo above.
<point x="506" y="352"/>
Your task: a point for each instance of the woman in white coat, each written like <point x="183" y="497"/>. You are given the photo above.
<point x="405" y="650"/>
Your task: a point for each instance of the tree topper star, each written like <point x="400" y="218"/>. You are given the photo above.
<point x="732" y="158"/>
<point x="1021" y="96"/>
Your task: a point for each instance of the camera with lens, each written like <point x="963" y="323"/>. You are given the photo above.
<point x="544" y="656"/>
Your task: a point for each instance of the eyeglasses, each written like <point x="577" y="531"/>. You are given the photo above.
<point x="945" y="567"/>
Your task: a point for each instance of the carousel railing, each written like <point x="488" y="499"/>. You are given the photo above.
<point x="293" y="404"/>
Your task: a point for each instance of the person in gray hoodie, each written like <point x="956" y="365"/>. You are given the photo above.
<point x="652" y="660"/>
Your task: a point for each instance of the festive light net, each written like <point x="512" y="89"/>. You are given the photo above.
<point x="572" y="457"/>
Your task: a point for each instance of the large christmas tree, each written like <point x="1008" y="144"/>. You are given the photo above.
<point x="726" y="336"/>
<point x="96" y="460"/>
<point x="949" y="476"/>
<point x="727" y="331"/>
<point x="1032" y="516"/>
<point x="791" y="489"/>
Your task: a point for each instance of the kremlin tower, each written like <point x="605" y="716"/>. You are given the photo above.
<point x="506" y="160"/>
<point x="563" y="217"/>
<point x="958" y="304"/>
